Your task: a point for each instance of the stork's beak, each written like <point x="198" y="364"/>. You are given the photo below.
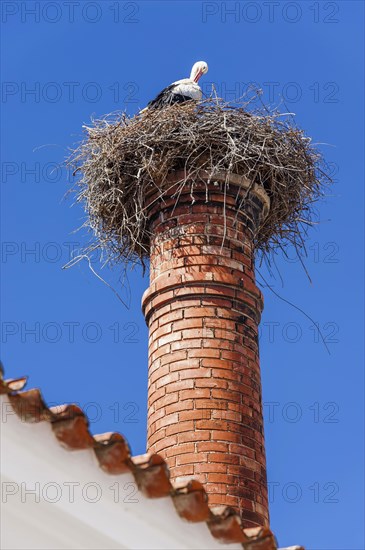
<point x="198" y="75"/>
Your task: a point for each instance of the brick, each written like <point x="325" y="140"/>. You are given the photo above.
<point x="199" y="277"/>
<point x="160" y="300"/>
<point x="191" y="323"/>
<point x="205" y="412"/>
<point x="215" y="363"/>
<point x="217" y="343"/>
<point x="232" y="356"/>
<point x="166" y="420"/>
<point x="225" y="436"/>
<point x="209" y="404"/>
<point x="167" y="379"/>
<point x="172" y="337"/>
<point x="190" y="458"/>
<point x="227" y="415"/>
<point x="172" y="357"/>
<point x="152" y="439"/>
<point x="161" y="351"/>
<point x="210" y="425"/>
<point x="241" y="471"/>
<point x="164" y="310"/>
<point x="221" y="478"/>
<point x="182" y="303"/>
<point x="196" y="292"/>
<point x="223" y="458"/>
<point x="257" y="519"/>
<point x="186" y="368"/>
<point x="162" y="331"/>
<point x="210" y="383"/>
<point x="169" y="317"/>
<point x="152" y="346"/>
<point x="154" y="366"/>
<point x="193" y="226"/>
<point x="217" y="301"/>
<point x="207" y="353"/>
<point x="193" y="333"/>
<point x="167" y="399"/>
<point x="194" y="394"/>
<point x="202" y="260"/>
<point x="180" y="406"/>
<point x="198" y="312"/>
<point x="157" y="394"/>
<point x="185" y="219"/>
<point x="156" y="415"/>
<point x="217" y="488"/>
<point x="158" y="373"/>
<point x="200" y="414"/>
<point x="181" y="449"/>
<point x="166" y="442"/>
<point x="228" y="395"/>
<point x="171" y="461"/>
<point x="212" y="446"/>
<point x="215" y="322"/>
<point x="187" y="251"/>
<point x="224" y="370"/>
<point x="258" y="507"/>
<point x="223" y="334"/>
<point x="186" y="344"/>
<point x="239" y="407"/>
<point x="175" y="387"/>
<point x="250" y="464"/>
<point x="194" y="374"/>
<point x="185" y="470"/>
<point x="179" y="428"/>
<point x="197" y="435"/>
<point x="201" y="468"/>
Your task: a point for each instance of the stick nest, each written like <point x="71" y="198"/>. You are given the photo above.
<point x="121" y="156"/>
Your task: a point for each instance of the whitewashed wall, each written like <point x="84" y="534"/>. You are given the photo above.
<point x="53" y="498"/>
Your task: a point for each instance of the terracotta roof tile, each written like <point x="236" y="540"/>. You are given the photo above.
<point x="113" y="453"/>
<point x="71" y="427"/>
<point x="152" y="475"/>
<point x="191" y="501"/>
<point x="225" y="525"/>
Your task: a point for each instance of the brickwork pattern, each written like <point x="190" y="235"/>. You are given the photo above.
<point x="203" y="309"/>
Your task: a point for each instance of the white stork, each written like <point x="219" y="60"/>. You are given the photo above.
<point x="180" y="91"/>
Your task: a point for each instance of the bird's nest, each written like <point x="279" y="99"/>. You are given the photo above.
<point x="121" y="156"/>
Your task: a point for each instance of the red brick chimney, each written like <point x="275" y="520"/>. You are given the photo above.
<point x="203" y="309"/>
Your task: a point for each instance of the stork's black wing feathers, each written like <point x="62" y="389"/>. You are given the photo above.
<point x="167" y="97"/>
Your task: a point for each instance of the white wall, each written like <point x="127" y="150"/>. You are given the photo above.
<point x="74" y="504"/>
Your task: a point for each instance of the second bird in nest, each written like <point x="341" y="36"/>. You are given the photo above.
<point x="180" y="91"/>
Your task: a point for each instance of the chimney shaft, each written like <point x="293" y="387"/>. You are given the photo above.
<point x="203" y="309"/>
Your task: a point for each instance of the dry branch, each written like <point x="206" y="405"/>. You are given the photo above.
<point x="121" y="157"/>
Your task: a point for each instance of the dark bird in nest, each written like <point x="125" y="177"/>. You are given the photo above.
<point x="180" y="91"/>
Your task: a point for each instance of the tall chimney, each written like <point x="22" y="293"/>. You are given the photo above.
<point x="203" y="309"/>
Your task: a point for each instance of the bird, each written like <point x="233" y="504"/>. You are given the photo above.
<point x="180" y="91"/>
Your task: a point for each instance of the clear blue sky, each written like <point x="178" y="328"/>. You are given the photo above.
<point x="99" y="57"/>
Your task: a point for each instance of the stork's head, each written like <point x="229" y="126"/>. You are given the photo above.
<point x="199" y="68"/>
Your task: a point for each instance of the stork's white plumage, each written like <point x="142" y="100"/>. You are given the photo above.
<point x="180" y="91"/>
